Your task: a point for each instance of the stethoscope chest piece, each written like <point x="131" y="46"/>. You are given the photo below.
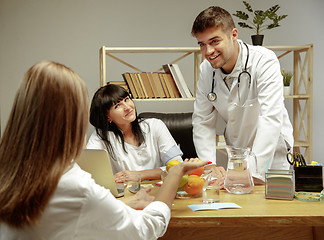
<point x="211" y="96"/>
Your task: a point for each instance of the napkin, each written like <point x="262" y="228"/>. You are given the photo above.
<point x="212" y="206"/>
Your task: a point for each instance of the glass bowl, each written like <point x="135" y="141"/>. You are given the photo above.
<point x="181" y="193"/>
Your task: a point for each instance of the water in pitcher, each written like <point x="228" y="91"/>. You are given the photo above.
<point x="238" y="178"/>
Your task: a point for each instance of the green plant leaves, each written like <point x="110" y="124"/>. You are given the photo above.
<point x="261" y="19"/>
<point x="286" y="77"/>
<point x="241" y="15"/>
<point x="248" y="6"/>
<point x="244" y="25"/>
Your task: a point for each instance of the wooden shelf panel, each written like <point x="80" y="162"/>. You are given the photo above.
<point x="290" y="48"/>
<point x="163" y="99"/>
<point x="151" y="49"/>
<point x="298" y="96"/>
<point x="301" y="144"/>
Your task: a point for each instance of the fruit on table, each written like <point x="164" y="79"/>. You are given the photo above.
<point x="183" y="181"/>
<point x="171" y="164"/>
<point x="194" y="185"/>
<point x="198" y="171"/>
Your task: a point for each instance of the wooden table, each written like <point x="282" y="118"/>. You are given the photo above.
<point x="259" y="218"/>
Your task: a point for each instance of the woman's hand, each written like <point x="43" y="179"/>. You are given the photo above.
<point x="125" y="176"/>
<point x="149" y="174"/>
<point x="170" y="185"/>
<point x="141" y="199"/>
<point x="191" y="164"/>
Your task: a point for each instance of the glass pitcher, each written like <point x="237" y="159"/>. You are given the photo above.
<point x="238" y="178"/>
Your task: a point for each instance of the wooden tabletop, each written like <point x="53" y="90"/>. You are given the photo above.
<point x="256" y="210"/>
<point x="259" y="218"/>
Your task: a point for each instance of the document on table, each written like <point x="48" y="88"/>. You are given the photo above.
<point x="212" y="206"/>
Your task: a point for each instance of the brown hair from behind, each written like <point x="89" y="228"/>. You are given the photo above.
<point x="45" y="132"/>
<point x="213" y="16"/>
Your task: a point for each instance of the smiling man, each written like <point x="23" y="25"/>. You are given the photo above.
<point x="243" y="85"/>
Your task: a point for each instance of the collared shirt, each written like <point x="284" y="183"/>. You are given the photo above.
<point x="80" y="209"/>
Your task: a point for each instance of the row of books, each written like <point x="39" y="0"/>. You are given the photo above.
<point x="168" y="84"/>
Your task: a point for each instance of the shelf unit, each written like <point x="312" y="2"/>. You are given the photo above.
<point x="302" y="96"/>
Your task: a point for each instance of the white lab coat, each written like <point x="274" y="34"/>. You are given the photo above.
<point x="80" y="209"/>
<point x="261" y="122"/>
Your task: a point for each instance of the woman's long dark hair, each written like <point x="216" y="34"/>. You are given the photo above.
<point x="102" y="101"/>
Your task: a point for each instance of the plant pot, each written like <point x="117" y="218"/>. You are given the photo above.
<point x="257" y="39"/>
<point x="287" y="90"/>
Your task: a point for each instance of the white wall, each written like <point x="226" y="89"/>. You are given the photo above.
<point x="72" y="31"/>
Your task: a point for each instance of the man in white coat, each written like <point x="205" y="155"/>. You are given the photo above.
<point x="243" y="85"/>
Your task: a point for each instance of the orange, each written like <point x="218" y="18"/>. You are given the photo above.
<point x="194" y="185"/>
<point x="171" y="164"/>
<point x="198" y="171"/>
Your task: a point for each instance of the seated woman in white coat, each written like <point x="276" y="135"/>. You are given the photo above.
<point x="135" y="146"/>
<point x="44" y="194"/>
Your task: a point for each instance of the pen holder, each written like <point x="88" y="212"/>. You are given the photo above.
<point x="309" y="178"/>
<point x="280" y="184"/>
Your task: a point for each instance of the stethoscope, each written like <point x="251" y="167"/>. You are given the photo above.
<point x="212" y="96"/>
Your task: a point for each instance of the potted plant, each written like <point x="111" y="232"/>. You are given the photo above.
<point x="262" y="20"/>
<point x="287" y="76"/>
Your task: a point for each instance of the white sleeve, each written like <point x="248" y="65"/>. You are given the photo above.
<point x="103" y="215"/>
<point x="204" y="126"/>
<point x="168" y="148"/>
<point x="270" y="121"/>
<point x="94" y="142"/>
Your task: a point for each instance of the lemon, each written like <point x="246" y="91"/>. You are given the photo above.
<point x="183" y="181"/>
<point x="171" y="164"/>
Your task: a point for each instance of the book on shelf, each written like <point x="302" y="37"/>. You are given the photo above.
<point x="154" y="88"/>
<point x="138" y="85"/>
<point x="172" y="85"/>
<point x="176" y="74"/>
<point x="130" y="85"/>
<point x="158" y="84"/>
<point x="141" y="84"/>
<point x="144" y="85"/>
<point x="163" y="83"/>
<point x="147" y="84"/>
<point x="166" y="84"/>
<point x="181" y="79"/>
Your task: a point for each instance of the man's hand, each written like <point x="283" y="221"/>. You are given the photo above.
<point x="220" y="171"/>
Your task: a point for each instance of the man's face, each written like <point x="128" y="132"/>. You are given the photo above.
<point x="219" y="48"/>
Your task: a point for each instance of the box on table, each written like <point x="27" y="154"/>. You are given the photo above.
<point x="280" y="184"/>
<point x="309" y="178"/>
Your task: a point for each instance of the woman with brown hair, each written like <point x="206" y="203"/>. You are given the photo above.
<point x="43" y="192"/>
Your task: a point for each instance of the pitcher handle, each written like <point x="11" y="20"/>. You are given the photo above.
<point x="255" y="160"/>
